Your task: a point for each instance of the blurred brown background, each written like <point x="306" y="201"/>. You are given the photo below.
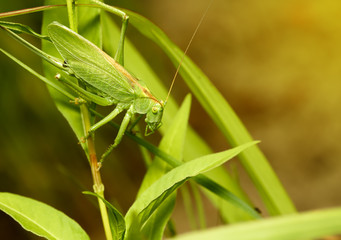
<point x="276" y="62"/>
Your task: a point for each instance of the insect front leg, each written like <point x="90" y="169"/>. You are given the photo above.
<point x="134" y="121"/>
<point x="119" y="108"/>
<point x="121" y="131"/>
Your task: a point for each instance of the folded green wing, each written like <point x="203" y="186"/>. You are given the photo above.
<point x="91" y="64"/>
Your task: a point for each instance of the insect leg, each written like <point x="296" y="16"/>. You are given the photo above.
<point x="119" y="108"/>
<point x="119" y="53"/>
<point x="119" y="56"/>
<point x="120" y="134"/>
<point x="134" y="122"/>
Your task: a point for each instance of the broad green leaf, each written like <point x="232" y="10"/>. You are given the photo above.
<point x="253" y="160"/>
<point x="40" y="219"/>
<point x="151" y="198"/>
<point x="21" y="28"/>
<point x="172" y="143"/>
<point x="194" y="145"/>
<point x="116" y="220"/>
<point x="308" y="225"/>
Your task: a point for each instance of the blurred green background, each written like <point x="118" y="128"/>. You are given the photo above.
<point x="276" y="62"/>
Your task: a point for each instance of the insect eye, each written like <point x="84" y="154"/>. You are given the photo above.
<point x="154" y="110"/>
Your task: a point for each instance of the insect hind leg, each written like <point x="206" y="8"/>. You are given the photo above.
<point x="119" y="56"/>
<point x="119" y="53"/>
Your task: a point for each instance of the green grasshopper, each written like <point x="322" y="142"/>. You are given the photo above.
<point x="107" y="82"/>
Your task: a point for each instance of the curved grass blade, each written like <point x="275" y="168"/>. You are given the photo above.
<point x="40" y="219"/>
<point x="308" y="225"/>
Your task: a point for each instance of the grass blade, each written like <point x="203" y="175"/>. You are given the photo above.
<point x="309" y="225"/>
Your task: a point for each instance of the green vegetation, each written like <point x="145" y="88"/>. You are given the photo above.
<point x="181" y="155"/>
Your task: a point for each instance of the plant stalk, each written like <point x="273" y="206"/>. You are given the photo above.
<point x="96" y="176"/>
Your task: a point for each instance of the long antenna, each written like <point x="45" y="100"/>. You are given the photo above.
<point x="185" y="52"/>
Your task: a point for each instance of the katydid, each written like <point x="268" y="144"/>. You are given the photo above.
<point x="107" y="82"/>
